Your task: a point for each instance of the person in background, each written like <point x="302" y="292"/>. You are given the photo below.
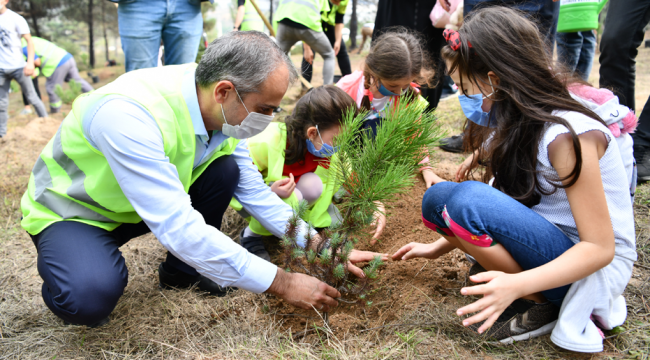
<point x="144" y="23"/>
<point x="13" y="66"/>
<point x="300" y="20"/>
<point x="576" y="51"/>
<point x="332" y="23"/>
<point x="543" y="12"/>
<point x="58" y="66"/>
<point x="621" y="38"/>
<point x="247" y="17"/>
<point x="27" y="110"/>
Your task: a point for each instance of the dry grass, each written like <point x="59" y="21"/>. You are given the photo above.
<point x="149" y="323"/>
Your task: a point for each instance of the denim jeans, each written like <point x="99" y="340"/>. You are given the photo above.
<point x="6" y="75"/>
<point x="479" y="214"/>
<point x="576" y="51"/>
<point x="143" y="24"/>
<point x="84" y="273"/>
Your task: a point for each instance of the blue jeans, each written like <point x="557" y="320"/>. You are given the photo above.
<point x="144" y="23"/>
<point x="84" y="273"/>
<point x="576" y="51"/>
<point x="476" y="210"/>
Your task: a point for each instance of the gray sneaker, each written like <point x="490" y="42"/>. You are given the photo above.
<point x="254" y="245"/>
<point x="522" y="320"/>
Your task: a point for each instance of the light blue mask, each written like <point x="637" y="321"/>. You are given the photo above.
<point x="326" y="150"/>
<point x="382" y="90"/>
<point x="472" y="106"/>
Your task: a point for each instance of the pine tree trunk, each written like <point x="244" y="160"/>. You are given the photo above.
<point x="353" y="26"/>
<point x="271" y="12"/>
<point x="32" y="13"/>
<point x="104" y="29"/>
<point x="91" y="39"/>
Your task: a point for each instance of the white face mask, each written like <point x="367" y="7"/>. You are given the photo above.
<point x="252" y="125"/>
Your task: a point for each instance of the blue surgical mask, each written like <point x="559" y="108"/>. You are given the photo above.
<point x="472" y="106"/>
<point x="382" y="90"/>
<point x="326" y="150"/>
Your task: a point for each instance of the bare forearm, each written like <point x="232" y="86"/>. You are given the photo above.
<point x="239" y="17"/>
<point x="580" y="261"/>
<point x="441" y="247"/>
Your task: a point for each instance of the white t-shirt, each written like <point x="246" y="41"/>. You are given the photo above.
<point x="12" y="27"/>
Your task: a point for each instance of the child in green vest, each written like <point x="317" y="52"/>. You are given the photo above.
<point x="294" y="159"/>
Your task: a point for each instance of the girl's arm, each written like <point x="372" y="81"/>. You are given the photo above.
<point x="594" y="251"/>
<point x="429" y="251"/>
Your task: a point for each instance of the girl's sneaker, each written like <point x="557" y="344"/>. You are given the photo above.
<point x="522" y="320"/>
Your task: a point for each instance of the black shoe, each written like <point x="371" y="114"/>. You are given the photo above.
<point x="522" y="320"/>
<point x="642" y="156"/>
<point x="254" y="245"/>
<point x="101" y="322"/>
<point x="475" y="269"/>
<point x="181" y="280"/>
<point x="452" y="144"/>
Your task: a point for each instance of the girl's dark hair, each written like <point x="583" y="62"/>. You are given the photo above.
<point x="324" y="106"/>
<point x="530" y="88"/>
<point x="397" y="54"/>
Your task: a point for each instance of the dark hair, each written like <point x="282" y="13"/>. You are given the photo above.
<point x="396" y="54"/>
<point x="530" y="88"/>
<point x="324" y="106"/>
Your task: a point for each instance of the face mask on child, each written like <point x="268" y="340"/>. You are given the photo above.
<point x="252" y="125"/>
<point x="326" y="150"/>
<point x="472" y="106"/>
<point x="382" y="90"/>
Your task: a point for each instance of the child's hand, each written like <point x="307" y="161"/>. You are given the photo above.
<point x="466" y="167"/>
<point x="379" y="219"/>
<point x="414" y="250"/>
<point x="284" y="187"/>
<point x="499" y="292"/>
<point x="430" y="178"/>
<point x="357" y="256"/>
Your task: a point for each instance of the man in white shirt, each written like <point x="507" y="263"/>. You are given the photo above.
<point x="13" y="65"/>
<point x="157" y="151"/>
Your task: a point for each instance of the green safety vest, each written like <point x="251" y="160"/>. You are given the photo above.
<point x="330" y="16"/>
<point x="72" y="181"/>
<point x="267" y="151"/>
<point x="49" y="53"/>
<point x="252" y="20"/>
<point x="305" y="12"/>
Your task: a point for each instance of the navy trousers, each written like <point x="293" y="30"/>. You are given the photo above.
<point x="84" y="273"/>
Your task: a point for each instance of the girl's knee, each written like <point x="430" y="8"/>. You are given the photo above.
<point x="433" y="203"/>
<point x="310" y="186"/>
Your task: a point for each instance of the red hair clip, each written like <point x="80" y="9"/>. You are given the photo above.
<point x="453" y="39"/>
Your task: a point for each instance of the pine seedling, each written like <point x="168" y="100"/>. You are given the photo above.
<point x="373" y="168"/>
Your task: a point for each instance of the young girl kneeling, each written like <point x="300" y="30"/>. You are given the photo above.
<point x="294" y="159"/>
<point x="556" y="226"/>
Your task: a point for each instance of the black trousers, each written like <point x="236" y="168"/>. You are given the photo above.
<point x="342" y="57"/>
<point x="84" y="273"/>
<point x="618" y="50"/>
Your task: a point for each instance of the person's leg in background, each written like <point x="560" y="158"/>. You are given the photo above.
<point x="181" y="33"/>
<point x="306" y="69"/>
<point x="57" y="78"/>
<point x="28" y="110"/>
<point x="140" y="25"/>
<point x="619" y="44"/>
<point x="342" y="58"/>
<point x="586" y="61"/>
<point x="321" y="45"/>
<point x="569" y="46"/>
<point x="27" y="87"/>
<point x="72" y="73"/>
<point x="286" y="37"/>
<point x="5" y="81"/>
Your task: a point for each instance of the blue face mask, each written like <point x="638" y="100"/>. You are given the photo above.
<point x="472" y="106"/>
<point x="326" y="150"/>
<point x="382" y="90"/>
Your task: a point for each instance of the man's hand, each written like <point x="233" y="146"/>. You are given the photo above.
<point x="304" y="291"/>
<point x="337" y="47"/>
<point x="29" y="68"/>
<point x="308" y="54"/>
<point x="357" y="256"/>
<point x="284" y="187"/>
